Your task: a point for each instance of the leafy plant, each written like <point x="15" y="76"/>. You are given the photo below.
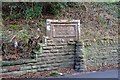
<point x="54" y="74"/>
<point x="55" y="8"/>
<point x="13" y="10"/>
<point x="118" y="13"/>
<point x="2" y="35"/>
<point x="23" y="36"/>
<point x="15" y="27"/>
<point x="42" y="23"/>
<point x="33" y="11"/>
<point x="30" y="10"/>
<point x="26" y="26"/>
<point x="98" y="41"/>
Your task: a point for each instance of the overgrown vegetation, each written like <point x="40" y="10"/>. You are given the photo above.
<point x="118" y="13"/>
<point x="34" y="11"/>
<point x="30" y="18"/>
<point x="31" y="10"/>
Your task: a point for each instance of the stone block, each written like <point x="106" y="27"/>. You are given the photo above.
<point x="51" y="44"/>
<point x="26" y="68"/>
<point x="3" y="70"/>
<point x="46" y="51"/>
<point x="47" y="48"/>
<point x="58" y="47"/>
<point x="54" y="51"/>
<point x="15" y="73"/>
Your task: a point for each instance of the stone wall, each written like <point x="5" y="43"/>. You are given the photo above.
<point x="92" y="55"/>
<point x="101" y="54"/>
<point x="52" y="57"/>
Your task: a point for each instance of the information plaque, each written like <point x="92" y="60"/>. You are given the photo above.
<point x="63" y="30"/>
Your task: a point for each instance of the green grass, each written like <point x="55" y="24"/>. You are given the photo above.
<point x="54" y="74"/>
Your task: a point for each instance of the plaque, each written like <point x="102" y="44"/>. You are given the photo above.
<point x="63" y="30"/>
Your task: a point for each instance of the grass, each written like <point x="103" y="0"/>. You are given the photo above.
<point x="54" y="74"/>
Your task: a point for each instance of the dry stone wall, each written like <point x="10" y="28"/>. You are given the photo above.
<point x="81" y="57"/>
<point x="102" y="54"/>
<point x="57" y="56"/>
<point x="52" y="57"/>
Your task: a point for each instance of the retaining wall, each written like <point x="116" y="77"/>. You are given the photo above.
<point x="101" y="54"/>
<point x="53" y="56"/>
<point x="89" y="56"/>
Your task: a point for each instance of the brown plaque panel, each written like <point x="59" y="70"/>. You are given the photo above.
<point x="63" y="31"/>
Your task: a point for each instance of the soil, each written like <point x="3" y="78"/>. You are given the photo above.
<point x="41" y="74"/>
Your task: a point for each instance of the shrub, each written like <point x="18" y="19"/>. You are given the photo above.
<point x="30" y="10"/>
<point x="56" y="8"/>
<point x="33" y="11"/>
